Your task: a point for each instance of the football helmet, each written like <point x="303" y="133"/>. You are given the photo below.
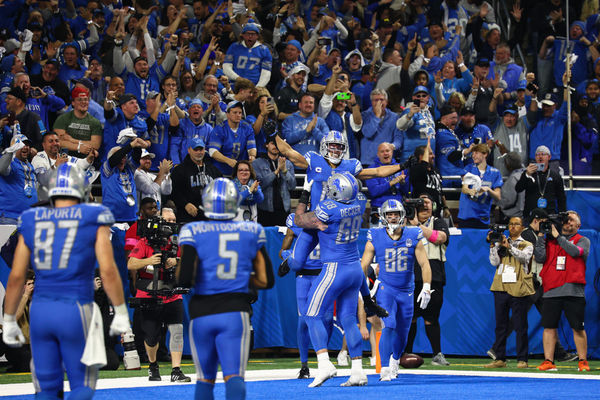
<point x="220" y="199"/>
<point x="68" y="180"/>
<point x="392" y="223"/>
<point x="334" y="146"/>
<point x="342" y="187"/>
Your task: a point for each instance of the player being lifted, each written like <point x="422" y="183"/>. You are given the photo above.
<point x="396" y="247"/>
<point x="221" y="259"/>
<point x="338" y="220"/>
<point x="57" y="242"/>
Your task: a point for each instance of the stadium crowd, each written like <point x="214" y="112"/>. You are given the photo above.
<point x="156" y="99"/>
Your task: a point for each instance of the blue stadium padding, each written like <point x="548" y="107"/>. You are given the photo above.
<point x="587" y="204"/>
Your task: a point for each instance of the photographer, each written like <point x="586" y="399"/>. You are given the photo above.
<point x="435" y="230"/>
<point x="425" y="178"/>
<point x="512" y="286"/>
<point x="168" y="310"/>
<point x="564" y="256"/>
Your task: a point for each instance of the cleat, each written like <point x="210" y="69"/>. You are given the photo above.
<point x="153" y="372"/>
<point x="304" y="373"/>
<point x="284" y="268"/>
<point x="583" y="366"/>
<point x="356" y="379"/>
<point x="386" y="374"/>
<point x="440" y="360"/>
<point x="372" y="308"/>
<point x="568" y="357"/>
<point x="178" y="376"/>
<point x="394" y="367"/>
<point x="547" y="366"/>
<point x="323" y="374"/>
<point x="372" y="361"/>
<point x="343" y="359"/>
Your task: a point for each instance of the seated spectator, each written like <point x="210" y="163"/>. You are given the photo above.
<point x="511" y="202"/>
<point x="417" y="123"/>
<point x="189" y="180"/>
<point x="304" y="129"/>
<point x="249" y="189"/>
<point x="480" y="185"/>
<point x="126" y="116"/>
<point x="277" y="179"/>
<point x="153" y="185"/>
<point x="232" y="141"/>
<point x="78" y="130"/>
<point x="288" y="98"/>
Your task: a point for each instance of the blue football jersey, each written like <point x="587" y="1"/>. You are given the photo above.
<point x="319" y="172"/>
<point x="339" y="242"/>
<point x="314" y="258"/>
<point x="396" y="257"/>
<point x="62" y="243"/>
<point x="225" y="253"/>
<point x="248" y="63"/>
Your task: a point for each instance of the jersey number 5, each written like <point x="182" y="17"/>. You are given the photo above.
<point x="44" y="242"/>
<point x="230" y="255"/>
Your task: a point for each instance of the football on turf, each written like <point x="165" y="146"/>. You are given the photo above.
<point x="410" y="360"/>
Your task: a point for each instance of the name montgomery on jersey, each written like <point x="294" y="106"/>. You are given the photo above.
<point x="219" y="227"/>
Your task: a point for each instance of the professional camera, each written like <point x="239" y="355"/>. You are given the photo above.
<point x="411" y="206"/>
<point x="557" y="219"/>
<point x="497" y="233"/>
<point x="158" y="232"/>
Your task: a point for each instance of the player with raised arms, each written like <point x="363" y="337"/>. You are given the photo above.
<point x="57" y="243"/>
<point x="221" y="259"/>
<point x="396" y="246"/>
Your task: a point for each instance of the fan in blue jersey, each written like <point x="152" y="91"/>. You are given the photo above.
<point x="338" y="219"/>
<point x="396" y="246"/>
<point x="249" y="58"/>
<point x="222" y="259"/>
<point x="62" y="244"/>
<point x="162" y="126"/>
<point x="305" y="277"/>
<point x="191" y="127"/>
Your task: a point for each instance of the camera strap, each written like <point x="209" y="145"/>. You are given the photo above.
<point x="542" y="202"/>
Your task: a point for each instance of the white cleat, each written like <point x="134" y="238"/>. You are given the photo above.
<point x="343" y="359"/>
<point x="386" y="374"/>
<point x="324" y="374"/>
<point x="394" y="367"/>
<point x="372" y="361"/>
<point x="356" y="379"/>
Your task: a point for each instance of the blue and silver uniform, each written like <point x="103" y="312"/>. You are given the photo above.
<point x="61" y="241"/>
<point x="249" y="62"/>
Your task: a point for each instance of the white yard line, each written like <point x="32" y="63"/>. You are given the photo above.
<point x="14" y="389"/>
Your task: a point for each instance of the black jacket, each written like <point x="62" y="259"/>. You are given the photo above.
<point x="554" y="191"/>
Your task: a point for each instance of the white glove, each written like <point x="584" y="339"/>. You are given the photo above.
<point x="424" y="296"/>
<point x="15" y="147"/>
<point x="125" y="135"/>
<point x="307" y="184"/>
<point x="28" y="36"/>
<point x="11" y="333"/>
<point x="120" y="323"/>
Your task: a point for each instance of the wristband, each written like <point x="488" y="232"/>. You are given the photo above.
<point x="434" y="236"/>
<point x="461" y="65"/>
<point x="304" y="197"/>
<point x="79" y="146"/>
<point x="169" y="108"/>
<point x="121" y="309"/>
<point x="427" y="287"/>
<point x="9" y="318"/>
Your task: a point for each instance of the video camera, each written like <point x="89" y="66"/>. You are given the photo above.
<point x="557" y="219"/>
<point x="411" y="206"/>
<point x="497" y="233"/>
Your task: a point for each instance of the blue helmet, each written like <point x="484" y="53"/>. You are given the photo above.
<point x="342" y="187"/>
<point x="68" y="180"/>
<point x="392" y="205"/>
<point x="220" y="199"/>
<point x="335" y="155"/>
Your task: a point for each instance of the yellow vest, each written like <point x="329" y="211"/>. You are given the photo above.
<point x="524" y="282"/>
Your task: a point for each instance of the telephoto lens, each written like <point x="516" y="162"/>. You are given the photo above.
<point x="131" y="359"/>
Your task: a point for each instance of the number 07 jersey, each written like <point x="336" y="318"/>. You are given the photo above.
<point x="62" y="244"/>
<point x="396" y="257"/>
<point x="225" y="251"/>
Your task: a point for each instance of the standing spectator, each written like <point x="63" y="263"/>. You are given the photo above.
<point x="153" y="185"/>
<point x="232" y="141"/>
<point x="98" y="80"/>
<point x="417" y="123"/>
<point x="512" y="202"/>
<point x="289" y="97"/>
<point x="582" y="137"/>
<point x="425" y="178"/>
<point x="117" y="120"/>
<point x="304" y="129"/>
<point x="94" y="108"/>
<point x="162" y="125"/>
<point x="38" y="100"/>
<point x="30" y="123"/>
<point x="391" y="69"/>
<point x="379" y="125"/>
<point x="512" y="285"/>
<point x="249" y="189"/>
<point x="277" y="180"/>
<point x="189" y="180"/>
<point x="470" y="132"/>
<point x="49" y="79"/>
<point x="543" y="188"/>
<point x="448" y="149"/>
<point x="482" y="92"/>
<point x="249" y="58"/>
<point x="79" y="132"/>
<point x="510" y="136"/>
<point x="263" y="118"/>
<point x="480" y="185"/>
<point x="564" y="256"/>
<point x="192" y="126"/>
<point x="212" y="106"/>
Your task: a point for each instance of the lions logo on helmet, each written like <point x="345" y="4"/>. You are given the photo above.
<point x="392" y="222"/>
<point x="69" y="181"/>
<point x="334" y="146"/>
<point x="220" y="199"/>
<point x="342" y="187"/>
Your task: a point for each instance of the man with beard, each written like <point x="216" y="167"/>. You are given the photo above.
<point x="448" y="150"/>
<point x="189" y="128"/>
<point x="288" y="98"/>
<point x="214" y="108"/>
<point x="471" y="133"/>
<point x="142" y="80"/>
<point x="121" y="118"/>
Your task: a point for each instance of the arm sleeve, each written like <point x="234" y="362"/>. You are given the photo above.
<point x="268" y="268"/>
<point x="581" y="249"/>
<point x="189" y="261"/>
<point x="370" y="125"/>
<point x="116" y="158"/>
<point x="5" y="161"/>
<point x="522" y="255"/>
<point x="228" y="70"/>
<point x="144" y="184"/>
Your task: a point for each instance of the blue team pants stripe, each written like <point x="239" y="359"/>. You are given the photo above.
<point x="317" y="299"/>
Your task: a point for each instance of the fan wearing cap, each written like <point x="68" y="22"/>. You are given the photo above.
<point x="78" y="130"/>
<point x="126" y="116"/>
<point x="543" y="186"/>
<point x="94" y="108"/>
<point x="11" y="65"/>
<point x="249" y="58"/>
<point x="71" y="54"/>
<point x="470" y="133"/>
<point x="232" y="141"/>
<point x="38" y="100"/>
<point x="190" y="127"/>
<point x="153" y="185"/>
<point x="48" y="80"/>
<point x="447" y="146"/>
<point x="27" y="122"/>
<point x="288" y="97"/>
<point x="18" y="182"/>
<point x="417" y="123"/>
<point x="510" y="136"/>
